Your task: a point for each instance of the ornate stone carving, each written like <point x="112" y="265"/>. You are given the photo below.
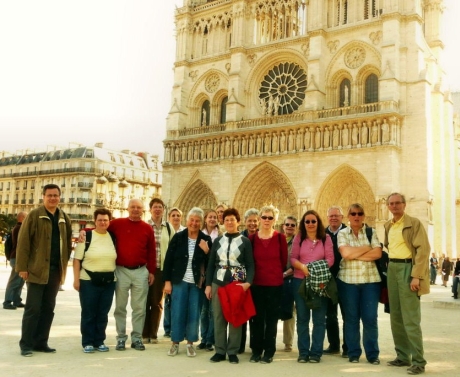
<point x="354" y="58"/>
<point x="333" y="46"/>
<point x="252" y="59"/>
<point x="212" y="82"/>
<point x="375" y="37"/>
<point x="193" y="75"/>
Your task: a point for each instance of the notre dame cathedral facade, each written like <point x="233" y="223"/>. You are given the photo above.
<point x="313" y="103"/>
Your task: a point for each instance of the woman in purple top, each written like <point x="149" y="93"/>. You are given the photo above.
<point x="310" y="244"/>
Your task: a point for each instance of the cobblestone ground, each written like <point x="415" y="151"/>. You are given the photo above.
<point x="440" y="322"/>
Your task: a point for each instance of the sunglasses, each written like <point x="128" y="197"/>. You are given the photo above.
<point x="289" y="225"/>
<point x="310" y="221"/>
<point x="267" y="218"/>
<point x="356" y="213"/>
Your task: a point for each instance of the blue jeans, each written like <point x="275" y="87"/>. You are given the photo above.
<point x="303" y="324"/>
<point x="95" y="306"/>
<point x="186" y="301"/>
<point x="207" y="322"/>
<point x="167" y="314"/>
<point x="360" y="303"/>
<point x="14" y="286"/>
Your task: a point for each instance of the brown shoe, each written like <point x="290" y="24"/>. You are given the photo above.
<point x="416" y="369"/>
<point x="398" y="363"/>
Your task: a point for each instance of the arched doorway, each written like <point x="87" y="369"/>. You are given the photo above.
<point x="344" y="186"/>
<point x="266" y="184"/>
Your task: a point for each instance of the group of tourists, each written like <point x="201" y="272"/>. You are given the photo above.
<point x="211" y="276"/>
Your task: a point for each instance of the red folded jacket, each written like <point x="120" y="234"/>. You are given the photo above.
<point x="237" y="305"/>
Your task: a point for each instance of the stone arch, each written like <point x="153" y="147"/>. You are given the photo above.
<point x="199" y="90"/>
<point x="361" y="77"/>
<point x="196" y="194"/>
<point x="266" y="184"/>
<point x="344" y="186"/>
<point x="333" y="87"/>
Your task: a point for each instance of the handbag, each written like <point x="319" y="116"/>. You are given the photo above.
<point x="99" y="279"/>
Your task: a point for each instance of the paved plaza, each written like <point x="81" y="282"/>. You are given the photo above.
<point x="440" y="325"/>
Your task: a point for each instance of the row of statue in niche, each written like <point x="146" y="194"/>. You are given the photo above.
<point x="346" y="136"/>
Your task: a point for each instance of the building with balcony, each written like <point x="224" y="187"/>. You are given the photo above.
<point x="89" y="177"/>
<point x="308" y="104"/>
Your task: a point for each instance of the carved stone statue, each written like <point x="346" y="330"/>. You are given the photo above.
<point x="298" y="140"/>
<point x="375" y="133"/>
<point x="327" y="137"/>
<point x="282" y="142"/>
<point x="275" y="143"/>
<point x="259" y="144"/>
<point x="208" y="149"/>
<point x="215" y="152"/>
<point x="385" y="131"/>
<point x="306" y="139"/>
<point x="196" y="148"/>
<point x="345" y="135"/>
<point x="227" y="147"/>
<point x="236" y="147"/>
<point x="176" y="153"/>
<point x="267" y="143"/>
<point x="291" y="141"/>
<point x="335" y="137"/>
<point x="167" y="154"/>
<point x="318" y="138"/>
<point x="189" y="151"/>
<point x="364" y="134"/>
<point x="251" y="145"/>
<point x="203" y="121"/>
<point x="244" y="146"/>
<point x="354" y="135"/>
<point x="183" y="152"/>
<point x="202" y="150"/>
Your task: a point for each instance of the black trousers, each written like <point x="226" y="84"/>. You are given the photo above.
<point x="39" y="312"/>
<point x="264" y="325"/>
<point x="332" y="326"/>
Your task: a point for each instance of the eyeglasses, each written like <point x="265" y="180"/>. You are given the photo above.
<point x="267" y="218"/>
<point x="290" y="225"/>
<point x="356" y="214"/>
<point x="310" y="221"/>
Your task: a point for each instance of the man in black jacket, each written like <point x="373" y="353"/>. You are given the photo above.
<point x="335" y="217"/>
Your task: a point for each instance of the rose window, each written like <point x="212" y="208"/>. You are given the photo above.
<point x="282" y="90"/>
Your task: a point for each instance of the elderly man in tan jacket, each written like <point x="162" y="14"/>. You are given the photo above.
<point x="408" y="278"/>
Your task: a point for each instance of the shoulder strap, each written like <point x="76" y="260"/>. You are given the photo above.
<point x="89" y="235"/>
<point x="369" y="234"/>
<point x="169" y="229"/>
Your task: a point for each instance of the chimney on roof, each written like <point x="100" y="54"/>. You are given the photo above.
<point x="99" y="145"/>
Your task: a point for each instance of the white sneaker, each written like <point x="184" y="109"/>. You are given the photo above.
<point x="88" y="349"/>
<point x="173" y="350"/>
<point x="191" y="350"/>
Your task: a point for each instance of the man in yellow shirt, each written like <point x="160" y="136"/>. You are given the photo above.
<point x="408" y="279"/>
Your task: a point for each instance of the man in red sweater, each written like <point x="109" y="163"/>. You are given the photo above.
<point x="136" y="264"/>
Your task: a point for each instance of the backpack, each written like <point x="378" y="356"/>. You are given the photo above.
<point x="8" y="245"/>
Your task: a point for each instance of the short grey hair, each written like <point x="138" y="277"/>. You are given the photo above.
<point x="338" y="208"/>
<point x="196" y="211"/>
<point x="251" y="212"/>
<point x="271" y="208"/>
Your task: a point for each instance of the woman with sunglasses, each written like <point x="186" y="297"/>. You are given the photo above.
<point x="270" y="258"/>
<point x="359" y="285"/>
<point x="311" y="244"/>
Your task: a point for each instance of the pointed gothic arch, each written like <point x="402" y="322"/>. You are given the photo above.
<point x="345" y="186"/>
<point x="266" y="184"/>
<point x="196" y="194"/>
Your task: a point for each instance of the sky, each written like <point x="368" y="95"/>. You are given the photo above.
<point x="92" y="71"/>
